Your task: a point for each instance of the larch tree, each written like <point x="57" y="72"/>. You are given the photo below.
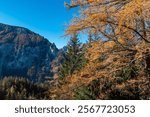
<point x="125" y="26"/>
<point x="124" y="21"/>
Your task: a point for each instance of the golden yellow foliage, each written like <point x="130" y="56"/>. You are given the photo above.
<point x="119" y="64"/>
<point x="105" y="60"/>
<point x="126" y="19"/>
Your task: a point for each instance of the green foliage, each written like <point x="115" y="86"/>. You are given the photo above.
<point x="73" y="59"/>
<point x="21" y="89"/>
<point x="126" y="73"/>
<point x="89" y="92"/>
<point x="109" y="88"/>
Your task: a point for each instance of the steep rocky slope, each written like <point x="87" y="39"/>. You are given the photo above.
<point x="25" y="53"/>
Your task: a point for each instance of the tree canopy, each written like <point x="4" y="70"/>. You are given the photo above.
<point x="125" y="21"/>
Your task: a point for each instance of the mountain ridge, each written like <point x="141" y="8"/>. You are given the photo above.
<point x="25" y="53"/>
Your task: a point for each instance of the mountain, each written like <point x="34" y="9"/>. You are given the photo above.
<point x="26" y="54"/>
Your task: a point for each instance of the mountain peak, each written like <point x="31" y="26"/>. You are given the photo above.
<point x="25" y="53"/>
<point x="15" y="33"/>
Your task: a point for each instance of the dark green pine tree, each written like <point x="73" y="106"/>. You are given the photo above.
<point x="74" y="57"/>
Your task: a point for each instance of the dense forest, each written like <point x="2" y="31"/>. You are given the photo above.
<point x="113" y="64"/>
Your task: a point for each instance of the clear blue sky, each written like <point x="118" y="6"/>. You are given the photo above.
<point x="45" y="17"/>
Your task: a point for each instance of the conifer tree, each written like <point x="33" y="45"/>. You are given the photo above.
<point x="74" y="57"/>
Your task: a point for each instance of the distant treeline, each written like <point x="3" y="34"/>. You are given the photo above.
<point x="17" y="88"/>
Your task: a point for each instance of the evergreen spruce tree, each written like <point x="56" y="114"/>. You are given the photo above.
<point x="73" y="58"/>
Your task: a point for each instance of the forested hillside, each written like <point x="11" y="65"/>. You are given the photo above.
<point x="24" y="53"/>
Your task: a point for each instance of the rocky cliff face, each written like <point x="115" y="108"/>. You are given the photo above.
<point x="25" y="53"/>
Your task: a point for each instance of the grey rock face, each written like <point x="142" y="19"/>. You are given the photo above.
<point x="25" y="53"/>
